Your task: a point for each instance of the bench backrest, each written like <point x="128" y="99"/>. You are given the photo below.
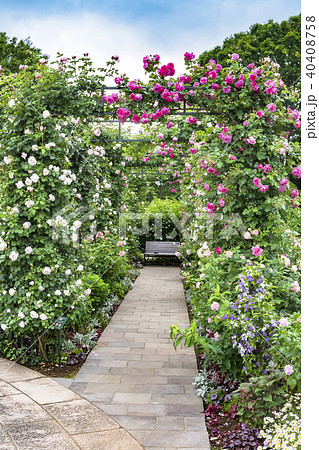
<point x="161" y="247"/>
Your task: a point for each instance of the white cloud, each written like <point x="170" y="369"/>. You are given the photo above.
<point x="194" y="28"/>
<point x="101" y="38"/>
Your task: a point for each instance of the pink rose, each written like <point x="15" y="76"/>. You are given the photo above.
<point x="295" y="287"/>
<point x="215" y="306"/>
<point x="216" y="336"/>
<point x="218" y="250"/>
<point x="122" y="253"/>
<point x="267" y="168"/>
<point x="189" y="56"/>
<point x="294" y="193"/>
<point x="257" y="251"/>
<point x="271" y="107"/>
<point x="297" y="172"/>
<point x="221" y="189"/>
<point x="260" y="113"/>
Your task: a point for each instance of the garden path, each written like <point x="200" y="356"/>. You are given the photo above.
<point x="38" y="413"/>
<point x="135" y="375"/>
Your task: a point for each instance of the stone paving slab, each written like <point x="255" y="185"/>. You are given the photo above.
<point x="135" y="375"/>
<point x="38" y="413"/>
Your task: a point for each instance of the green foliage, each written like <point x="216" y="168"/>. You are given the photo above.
<point x="14" y="53"/>
<point x="100" y="290"/>
<point x="257" y="397"/>
<point x="279" y="41"/>
<point x="103" y="259"/>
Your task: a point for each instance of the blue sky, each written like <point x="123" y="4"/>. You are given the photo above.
<point x="135" y="28"/>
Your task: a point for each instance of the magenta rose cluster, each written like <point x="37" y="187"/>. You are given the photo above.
<point x="189" y="56"/>
<point x="296" y="172"/>
<point x="150" y="61"/>
<point x="167" y="70"/>
<point x="261" y="187"/>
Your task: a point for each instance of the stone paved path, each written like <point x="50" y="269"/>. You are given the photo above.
<point x="135" y="375"/>
<point x="36" y="413"/>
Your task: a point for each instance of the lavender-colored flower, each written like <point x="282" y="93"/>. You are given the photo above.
<point x="288" y="370"/>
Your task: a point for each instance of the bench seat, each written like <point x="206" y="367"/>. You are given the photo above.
<point x="160" y="248"/>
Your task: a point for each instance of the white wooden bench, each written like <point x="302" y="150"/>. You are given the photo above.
<point x="160" y="248"/>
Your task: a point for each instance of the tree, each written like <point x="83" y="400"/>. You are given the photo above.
<point x="279" y="41"/>
<point x="14" y="53"/>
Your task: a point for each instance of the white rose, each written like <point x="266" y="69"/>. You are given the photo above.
<point x="57" y="292"/>
<point x="29" y="250"/>
<point x="29" y="203"/>
<point x="68" y="272"/>
<point x="26" y="225"/>
<point x="34" y="315"/>
<point x="46" y="172"/>
<point x="19" y="184"/>
<point x="7" y="159"/>
<point x="34" y="147"/>
<point x="14" y="256"/>
<point x="3" y="245"/>
<point x="21" y="315"/>
<point x="247" y="235"/>
<point x="80" y="268"/>
<point x="12" y="291"/>
<point x="11" y="103"/>
<point x="46" y="271"/>
<point x="51" y="198"/>
<point x="35" y="177"/>
<point x="32" y="161"/>
<point x="3" y="327"/>
<point x="43" y="316"/>
<point x="46" y="114"/>
<point x="22" y="324"/>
